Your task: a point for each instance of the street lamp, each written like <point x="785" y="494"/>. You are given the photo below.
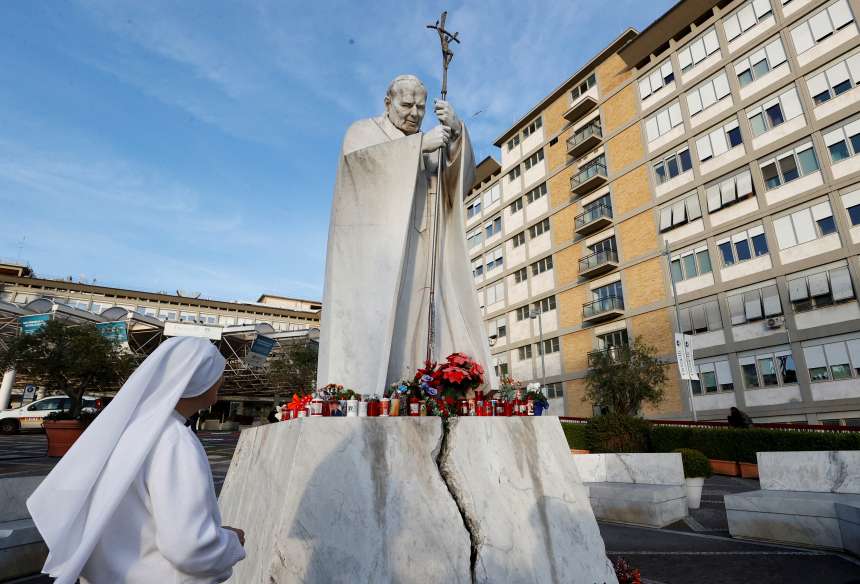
<point x="535" y="313"/>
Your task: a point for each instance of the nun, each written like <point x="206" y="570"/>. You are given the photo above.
<point x="133" y="500"/>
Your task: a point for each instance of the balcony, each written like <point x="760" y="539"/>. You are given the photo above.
<point x="584" y="140"/>
<point x="588" y="178"/>
<point x="604" y="309"/>
<point x="595" y="219"/>
<point x="613" y="352"/>
<point x="598" y="263"/>
<point x="580" y="107"/>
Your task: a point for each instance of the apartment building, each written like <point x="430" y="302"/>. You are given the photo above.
<point x="729" y="130"/>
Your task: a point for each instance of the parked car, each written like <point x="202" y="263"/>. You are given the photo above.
<point x="30" y="416"/>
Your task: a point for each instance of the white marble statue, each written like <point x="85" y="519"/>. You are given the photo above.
<point x="375" y="301"/>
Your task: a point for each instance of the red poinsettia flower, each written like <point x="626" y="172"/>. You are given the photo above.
<point x="449" y="401"/>
<point x="477" y="372"/>
<point x="459" y="359"/>
<point x="455" y="374"/>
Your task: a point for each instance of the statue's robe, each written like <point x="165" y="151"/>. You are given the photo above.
<point x="376" y="296"/>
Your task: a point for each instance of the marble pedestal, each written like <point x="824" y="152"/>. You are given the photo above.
<point x="22" y="550"/>
<point x="365" y="500"/>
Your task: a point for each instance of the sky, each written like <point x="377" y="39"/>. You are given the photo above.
<point x="192" y="145"/>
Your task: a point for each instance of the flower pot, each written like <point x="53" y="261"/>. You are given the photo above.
<point x="694" y="492"/>
<point x="540" y="408"/>
<point x="749" y="470"/>
<point x="61" y="435"/>
<point x="725" y="467"/>
<point x="574" y="451"/>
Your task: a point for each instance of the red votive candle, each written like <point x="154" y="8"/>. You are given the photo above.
<point x="414" y="409"/>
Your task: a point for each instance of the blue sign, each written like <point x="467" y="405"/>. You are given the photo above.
<point x="29" y="394"/>
<point x="30" y="324"/>
<point x="116" y="330"/>
<point x="261" y="349"/>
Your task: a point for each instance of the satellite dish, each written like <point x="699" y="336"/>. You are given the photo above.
<point x="182" y="293"/>
<point x="194" y="295"/>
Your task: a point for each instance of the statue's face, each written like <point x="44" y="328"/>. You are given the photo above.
<point x="406" y="109"/>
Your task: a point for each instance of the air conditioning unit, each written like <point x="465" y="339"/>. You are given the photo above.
<point x="775" y="322"/>
<point x="492" y="341"/>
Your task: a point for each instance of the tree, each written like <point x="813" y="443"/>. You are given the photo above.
<point x="626" y="377"/>
<point x="70" y="358"/>
<point x="296" y="368"/>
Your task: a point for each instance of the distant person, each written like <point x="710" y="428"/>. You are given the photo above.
<point x="273" y="418"/>
<point x="739" y="419"/>
<point x="133" y="501"/>
<point x="192" y="421"/>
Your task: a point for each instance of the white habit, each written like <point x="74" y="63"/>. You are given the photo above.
<point x="376" y="295"/>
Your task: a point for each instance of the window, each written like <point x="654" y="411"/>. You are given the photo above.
<point x="714" y="378"/>
<point x="525" y="352"/>
<point x="492" y="195"/>
<point x="804" y="225"/>
<point x="820" y="289"/>
<point x="474" y="208"/>
<point x="743" y="246"/>
<point x="475" y="237"/>
<point x="542" y="266"/>
<point x="478" y="267"/>
<point x="554" y="141"/>
<point x="729" y="191"/>
<point x="702" y="318"/>
<point x="663" y="121"/>
<point x="691" y="263"/>
<point x="244" y="321"/>
<point x="534" y="159"/>
<point x="583" y="87"/>
<point x="206" y="319"/>
<point x="760" y="63"/>
<point x="99" y="307"/>
<point x="514" y="174"/>
<point x="774" y="112"/>
<point x="187" y="316"/>
<point x="497" y="328"/>
<point x="656" y="80"/>
<point x="746" y="18"/>
<point x="680" y="212"/>
<point x="513" y="142"/>
<point x="226" y="320"/>
<point x="672" y="165"/>
<point x="852" y="205"/>
<point x="517" y="206"/>
<point x="145" y="310"/>
<point x="545" y="305"/>
<point x="500" y="364"/>
<point x="532" y="128"/>
<point x="604" y="201"/>
<point x="494" y="259"/>
<point x="519" y="239"/>
<point x="522" y="313"/>
<point x="835" y="80"/>
<point x="495" y="293"/>
<point x="821" y="26"/>
<point x="536" y="193"/>
<point x="549" y="346"/>
<point x="539" y="228"/>
<point x="768" y="370"/>
<point x="605" y="245"/>
<point x="698" y="50"/>
<point x="843" y="142"/>
<point x="554" y="390"/>
<point x="610" y="340"/>
<point x="607" y="291"/>
<point x="708" y="93"/>
<point x="84" y="304"/>
<point x="521" y="275"/>
<point x="749" y="305"/>
<point x="493" y="226"/>
<point x="789" y="166"/>
<point x="719" y="141"/>
<point x="834" y="360"/>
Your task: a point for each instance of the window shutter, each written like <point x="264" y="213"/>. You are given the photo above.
<point x="854" y="67"/>
<point x="802" y="38"/>
<point x="709" y="95"/>
<point x="851" y="199"/>
<point x="820" y="25"/>
<point x="700" y="321"/>
<point x="698" y="50"/>
<point x="747" y="18"/>
<point x="686" y="325"/>
<point x="840" y="13"/>
<point x="721" y="86"/>
<point x="712" y="309"/>
<point x="685" y="59"/>
<point x="666" y="69"/>
<point x="693" y="209"/>
<point x="703" y="146"/>
<point x="727" y="188"/>
<point x="675" y="114"/>
<point x="814" y="357"/>
<point x="840" y="285"/>
<point x="713" y="195"/>
<point x="679" y="214"/>
<point x="821" y="211"/>
<point x="757" y="230"/>
<point x="770" y="299"/>
<point x="644" y="88"/>
<point x="694" y="102"/>
<point x="775" y="53"/>
<point x="852" y="130"/>
<point x="837" y="74"/>
<point x="803" y="226"/>
<point x="833" y="137"/>
<point x="656" y="80"/>
<point x="724" y="372"/>
<point x="752" y="304"/>
<point x="736" y="309"/>
<point x="818" y="285"/>
<point x="732" y="27"/>
<point x="744" y="183"/>
<point x="836" y="353"/>
<point x="663" y="122"/>
<point x="712" y="43"/>
<point x="854" y="351"/>
<point x="761" y="7"/>
<point x="797" y="290"/>
<point x="665" y="218"/>
<point x="817" y="85"/>
<point x="784" y="232"/>
<point x="742" y="66"/>
<point x="492" y="329"/>
<point x="790" y="104"/>
<point x="652" y="129"/>
<point x="719" y="142"/>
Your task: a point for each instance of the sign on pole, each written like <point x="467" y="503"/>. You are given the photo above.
<point x="260" y="350"/>
<point x="29" y="394"/>
<point x="183" y="329"/>
<point x="680" y="355"/>
<point x="30" y="324"/>
<point x="688" y="357"/>
<point x="116" y="330"/>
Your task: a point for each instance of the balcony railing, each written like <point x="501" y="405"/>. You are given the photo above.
<point x="590" y="134"/>
<point x="613" y="353"/>
<point x="593" y="214"/>
<point x="597" y="259"/>
<point x="593" y="175"/>
<point x="601" y="306"/>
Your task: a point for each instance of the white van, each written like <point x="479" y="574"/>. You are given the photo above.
<point x="31" y="415"/>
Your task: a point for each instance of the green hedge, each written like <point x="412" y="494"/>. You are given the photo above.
<point x="741" y="445"/>
<point x="575" y="434"/>
<point x="696" y="464"/>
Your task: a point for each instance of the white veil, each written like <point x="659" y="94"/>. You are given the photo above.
<point x="76" y="500"/>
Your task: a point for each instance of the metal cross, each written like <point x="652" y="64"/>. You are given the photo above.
<point x="447" y="54"/>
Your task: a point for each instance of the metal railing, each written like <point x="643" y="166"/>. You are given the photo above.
<point x="589" y="130"/>
<point x="602" y="305"/>
<point x="595" y="212"/>
<point x="591" y="170"/>
<point x="686" y="424"/>
<point x="613" y="352"/>
<point x="595" y="259"/>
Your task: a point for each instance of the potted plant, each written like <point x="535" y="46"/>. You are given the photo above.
<point x="626" y="574"/>
<point x="541" y="402"/>
<point x="697" y="468"/>
<point x="71" y="359"/>
<point x="507" y="392"/>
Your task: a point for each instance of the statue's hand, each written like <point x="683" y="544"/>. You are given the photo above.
<point x="436" y="138"/>
<point x="447" y="117"/>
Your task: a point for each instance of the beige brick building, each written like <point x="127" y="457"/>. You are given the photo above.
<point x="727" y="130"/>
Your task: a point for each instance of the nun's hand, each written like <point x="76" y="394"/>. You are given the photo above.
<point x="238" y="532"/>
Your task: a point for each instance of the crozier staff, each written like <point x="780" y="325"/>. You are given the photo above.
<point x="133" y="500"/>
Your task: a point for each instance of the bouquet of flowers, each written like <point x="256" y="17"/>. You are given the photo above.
<point x="458" y="374"/>
<point x="507" y="389"/>
<point x="625" y="574"/>
<point x="328" y="391"/>
<point x="534" y="392"/>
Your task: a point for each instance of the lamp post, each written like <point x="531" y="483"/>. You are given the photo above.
<point x="535" y="313"/>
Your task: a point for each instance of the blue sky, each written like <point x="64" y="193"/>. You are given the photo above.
<point x="192" y="145"/>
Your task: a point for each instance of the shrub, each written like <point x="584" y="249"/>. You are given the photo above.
<point x="617" y="433"/>
<point x="575" y="434"/>
<point x="695" y="463"/>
